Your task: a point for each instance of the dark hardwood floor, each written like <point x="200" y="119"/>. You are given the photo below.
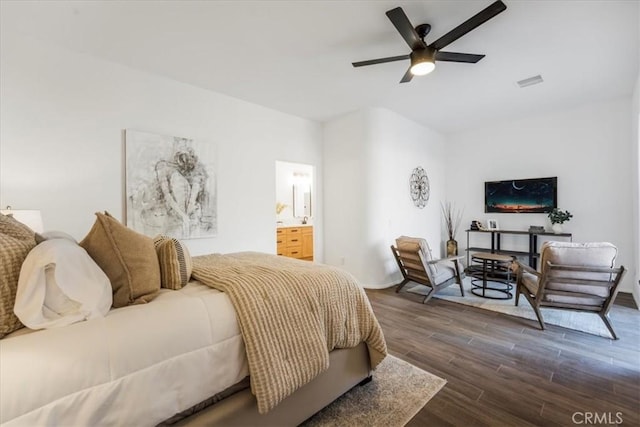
<point x="505" y="371"/>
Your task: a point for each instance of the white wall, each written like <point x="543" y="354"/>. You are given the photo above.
<point x="369" y="156"/>
<point x="61" y="142"/>
<point x="587" y="148"/>
<point x="635" y="167"/>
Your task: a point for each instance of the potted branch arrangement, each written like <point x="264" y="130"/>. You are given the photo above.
<point x="557" y="218"/>
<point x="452" y="219"/>
<point x="279" y="208"/>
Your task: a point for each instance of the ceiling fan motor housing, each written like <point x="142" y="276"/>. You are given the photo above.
<point x="423" y="55"/>
<point x="423" y="30"/>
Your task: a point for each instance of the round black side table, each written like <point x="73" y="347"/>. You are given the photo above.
<point x="495" y="271"/>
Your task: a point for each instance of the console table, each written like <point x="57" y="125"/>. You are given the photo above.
<point x="532" y="254"/>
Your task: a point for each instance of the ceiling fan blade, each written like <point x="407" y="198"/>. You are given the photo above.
<point x="380" y="61"/>
<point x="458" y="57"/>
<point x="470" y="24"/>
<point x="399" y="20"/>
<point x="407" y="76"/>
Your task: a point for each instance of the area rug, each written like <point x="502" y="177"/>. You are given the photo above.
<point x="396" y="393"/>
<point x="579" y="321"/>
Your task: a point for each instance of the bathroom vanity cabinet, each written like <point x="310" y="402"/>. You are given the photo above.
<point x="295" y="242"/>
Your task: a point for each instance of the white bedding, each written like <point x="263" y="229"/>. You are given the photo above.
<point x="139" y="365"/>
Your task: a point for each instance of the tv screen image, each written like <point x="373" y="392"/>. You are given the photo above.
<point x="535" y="195"/>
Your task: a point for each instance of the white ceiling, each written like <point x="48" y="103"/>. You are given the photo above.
<point x="295" y="56"/>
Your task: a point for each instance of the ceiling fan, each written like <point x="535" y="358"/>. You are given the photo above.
<point x="423" y="56"/>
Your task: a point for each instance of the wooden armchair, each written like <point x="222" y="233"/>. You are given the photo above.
<point x="573" y="276"/>
<point x="413" y="256"/>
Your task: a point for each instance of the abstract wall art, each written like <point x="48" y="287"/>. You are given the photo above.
<point x="170" y="185"/>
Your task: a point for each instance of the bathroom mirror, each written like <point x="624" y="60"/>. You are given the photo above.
<point x="301" y="200"/>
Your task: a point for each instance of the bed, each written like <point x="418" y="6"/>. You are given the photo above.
<point x="180" y="358"/>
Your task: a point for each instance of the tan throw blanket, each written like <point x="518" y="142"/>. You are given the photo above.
<point x="292" y="313"/>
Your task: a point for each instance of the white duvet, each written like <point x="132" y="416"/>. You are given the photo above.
<point x="139" y="365"/>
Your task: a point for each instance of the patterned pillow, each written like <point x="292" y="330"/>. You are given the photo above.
<point x="175" y="262"/>
<point x="16" y="240"/>
<point x="128" y="258"/>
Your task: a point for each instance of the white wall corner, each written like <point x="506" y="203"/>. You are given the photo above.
<point x="635" y="159"/>
<point x="369" y="156"/>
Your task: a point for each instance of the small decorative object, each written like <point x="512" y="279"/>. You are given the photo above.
<point x="280" y="207"/>
<point x="536" y="229"/>
<point x="419" y="187"/>
<point x="557" y="218"/>
<point x="476" y="225"/>
<point x="452" y="219"/>
<point x="492" y="224"/>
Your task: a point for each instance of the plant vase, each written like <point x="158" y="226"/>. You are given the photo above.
<point x="452" y="248"/>
<point x="557" y="228"/>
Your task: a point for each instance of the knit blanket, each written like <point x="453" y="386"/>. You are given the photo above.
<point x="291" y="313"/>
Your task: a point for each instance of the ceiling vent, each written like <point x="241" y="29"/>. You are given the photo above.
<point x="530" y="81"/>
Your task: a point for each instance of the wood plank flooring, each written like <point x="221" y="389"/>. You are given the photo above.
<point x="505" y="371"/>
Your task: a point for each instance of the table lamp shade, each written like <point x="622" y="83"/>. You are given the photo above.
<point x="30" y="218"/>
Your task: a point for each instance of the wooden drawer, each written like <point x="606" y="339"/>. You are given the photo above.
<point x="294" y="240"/>
<point x="294" y="252"/>
<point x="293" y="233"/>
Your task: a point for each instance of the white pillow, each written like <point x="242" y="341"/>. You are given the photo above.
<point x="55" y="234"/>
<point x="59" y="285"/>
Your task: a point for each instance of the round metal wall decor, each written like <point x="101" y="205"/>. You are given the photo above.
<point x="419" y="187"/>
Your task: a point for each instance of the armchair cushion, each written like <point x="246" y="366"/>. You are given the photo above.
<point x="599" y="254"/>
<point x="417" y="244"/>
<point x="530" y="281"/>
<point x="444" y="273"/>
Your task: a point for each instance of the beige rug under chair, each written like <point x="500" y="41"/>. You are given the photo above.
<point x="579" y="321"/>
<point x="397" y="392"/>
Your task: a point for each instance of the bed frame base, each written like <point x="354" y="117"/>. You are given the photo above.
<point x="349" y="367"/>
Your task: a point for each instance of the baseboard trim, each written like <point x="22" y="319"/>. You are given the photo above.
<point x="380" y="286"/>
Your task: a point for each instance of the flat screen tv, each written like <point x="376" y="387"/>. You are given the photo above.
<point x="535" y="195"/>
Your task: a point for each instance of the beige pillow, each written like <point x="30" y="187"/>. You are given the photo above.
<point x="175" y="262"/>
<point x="128" y="258"/>
<point x="16" y="240"/>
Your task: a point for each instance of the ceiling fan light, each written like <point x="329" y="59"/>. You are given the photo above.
<point x="422" y="68"/>
<point x="422" y="61"/>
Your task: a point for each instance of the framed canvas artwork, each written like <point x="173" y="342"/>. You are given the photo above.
<point x="170" y="185"/>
